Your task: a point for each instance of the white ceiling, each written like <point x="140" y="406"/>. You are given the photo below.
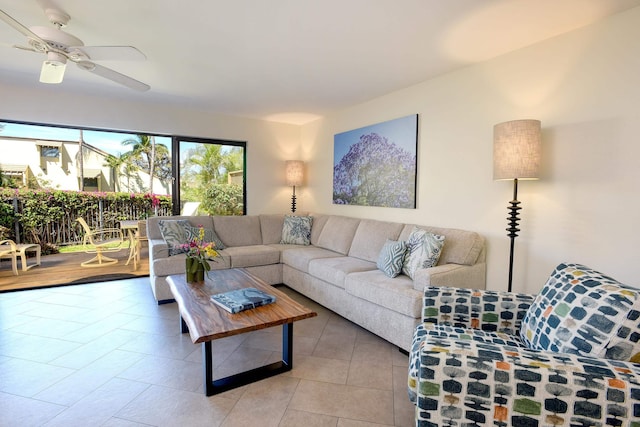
<point x="289" y="60"/>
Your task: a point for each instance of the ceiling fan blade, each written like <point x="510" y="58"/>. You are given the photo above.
<point x="19" y="27"/>
<point x="112" y="75"/>
<point x="111" y="53"/>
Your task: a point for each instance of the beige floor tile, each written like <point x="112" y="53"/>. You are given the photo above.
<point x="293" y="418"/>
<point x="363" y="374"/>
<point x="334" y="345"/>
<point x="263" y="403"/>
<point x="17" y="411"/>
<point x="82" y="382"/>
<point x="27" y="378"/>
<point x="343" y="422"/>
<point x="94" y="350"/>
<point x="128" y="365"/>
<point x="321" y="369"/>
<point x="169" y="346"/>
<point x="100" y="405"/>
<point x="166" y="372"/>
<point x="37" y="349"/>
<point x="344" y="401"/>
<point x="161" y="406"/>
<point x="376" y="353"/>
<point x="119" y="422"/>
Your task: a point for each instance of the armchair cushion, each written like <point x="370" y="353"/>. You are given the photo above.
<point x="583" y="312"/>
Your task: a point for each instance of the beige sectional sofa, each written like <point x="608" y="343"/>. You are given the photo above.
<point x="338" y="269"/>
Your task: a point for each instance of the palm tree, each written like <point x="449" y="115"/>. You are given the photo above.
<point x="147" y="155"/>
<point x="116" y="163"/>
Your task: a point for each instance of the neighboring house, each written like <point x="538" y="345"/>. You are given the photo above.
<point x="46" y="163"/>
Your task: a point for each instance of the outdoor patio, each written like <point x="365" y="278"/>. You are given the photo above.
<point x="65" y="269"/>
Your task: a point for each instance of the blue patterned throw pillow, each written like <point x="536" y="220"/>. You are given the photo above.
<point x="581" y="311"/>
<point x="173" y="233"/>
<point x="296" y="230"/>
<point x="391" y="257"/>
<point x="192" y="233"/>
<point x="423" y="251"/>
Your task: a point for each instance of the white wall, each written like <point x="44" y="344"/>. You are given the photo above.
<point x="268" y="144"/>
<point x="585" y="88"/>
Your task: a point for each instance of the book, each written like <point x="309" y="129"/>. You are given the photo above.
<point x="242" y="299"/>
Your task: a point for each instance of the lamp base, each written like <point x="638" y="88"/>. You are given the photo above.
<point x="293" y="200"/>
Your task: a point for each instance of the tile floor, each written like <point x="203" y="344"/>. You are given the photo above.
<point x="105" y="354"/>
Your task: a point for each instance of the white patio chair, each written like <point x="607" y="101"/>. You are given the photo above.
<point x="9" y="250"/>
<point x="100" y="242"/>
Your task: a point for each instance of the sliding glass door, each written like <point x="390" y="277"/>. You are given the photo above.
<point x="210" y="176"/>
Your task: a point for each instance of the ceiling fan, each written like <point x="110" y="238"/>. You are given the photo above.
<point x="60" y="46"/>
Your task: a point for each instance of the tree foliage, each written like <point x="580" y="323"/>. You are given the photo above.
<point x="223" y="199"/>
<point x="205" y="178"/>
<point x="375" y="172"/>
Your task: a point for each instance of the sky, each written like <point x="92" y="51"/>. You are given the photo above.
<point x="110" y="142"/>
<point x="402" y="132"/>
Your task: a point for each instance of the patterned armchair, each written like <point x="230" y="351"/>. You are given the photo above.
<point x="561" y="358"/>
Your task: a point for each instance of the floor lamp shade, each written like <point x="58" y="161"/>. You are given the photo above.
<point x="294" y="171"/>
<point x="516" y="155"/>
<point x="294" y="175"/>
<point x="516" y="149"/>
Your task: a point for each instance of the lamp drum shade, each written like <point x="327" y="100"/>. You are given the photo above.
<point x="294" y="172"/>
<point x="516" y="149"/>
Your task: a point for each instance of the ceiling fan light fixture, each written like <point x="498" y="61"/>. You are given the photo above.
<point x="53" y="68"/>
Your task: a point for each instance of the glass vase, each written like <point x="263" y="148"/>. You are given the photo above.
<point x="194" y="270"/>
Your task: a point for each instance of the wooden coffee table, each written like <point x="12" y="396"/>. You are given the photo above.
<point x="206" y="322"/>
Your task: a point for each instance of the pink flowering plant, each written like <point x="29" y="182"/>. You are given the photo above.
<point x="198" y="252"/>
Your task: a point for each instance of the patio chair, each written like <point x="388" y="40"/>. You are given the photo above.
<point x="100" y="242"/>
<point x="9" y="250"/>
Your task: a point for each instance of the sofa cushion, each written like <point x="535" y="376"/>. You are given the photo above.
<point x="319" y="222"/>
<point x="391" y="258"/>
<point x="394" y="294"/>
<point x="296" y="230"/>
<point x="584" y="312"/>
<point x="173" y="233"/>
<point x="238" y="230"/>
<point x="271" y="228"/>
<point x="300" y="256"/>
<point x="370" y="236"/>
<point x="192" y="233"/>
<point x="337" y="234"/>
<point x="253" y="255"/>
<point x="463" y="247"/>
<point x="423" y="251"/>
<point x="335" y="270"/>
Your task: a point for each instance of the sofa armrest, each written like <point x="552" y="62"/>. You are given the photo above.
<point x="464" y="381"/>
<point x="456" y="275"/>
<point x="493" y="311"/>
<point x="158" y="249"/>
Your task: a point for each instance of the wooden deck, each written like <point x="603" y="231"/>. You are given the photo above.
<point x="65" y="269"/>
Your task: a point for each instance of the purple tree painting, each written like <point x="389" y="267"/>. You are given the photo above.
<point x="378" y="167"/>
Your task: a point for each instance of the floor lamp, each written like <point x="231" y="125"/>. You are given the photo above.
<point x="294" y="173"/>
<point x="516" y="156"/>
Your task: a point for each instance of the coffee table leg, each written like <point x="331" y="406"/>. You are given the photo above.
<point x="212" y="386"/>
<point x="287" y="345"/>
<point x="183" y="326"/>
<point x="207" y="363"/>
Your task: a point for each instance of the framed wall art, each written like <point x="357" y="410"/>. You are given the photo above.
<point x="376" y="165"/>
